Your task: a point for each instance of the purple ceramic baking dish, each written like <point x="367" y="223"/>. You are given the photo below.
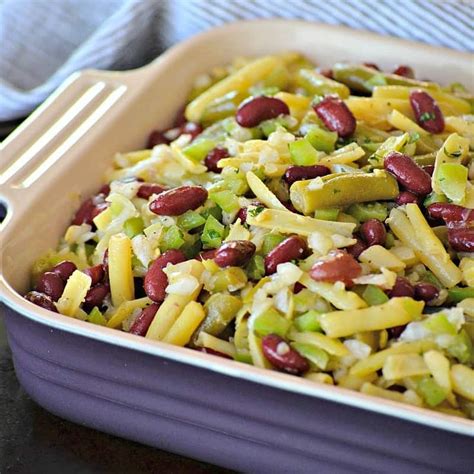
<point x="191" y="403"/>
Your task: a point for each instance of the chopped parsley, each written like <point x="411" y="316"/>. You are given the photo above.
<point x="426" y="116"/>
<point x="255" y="212"/>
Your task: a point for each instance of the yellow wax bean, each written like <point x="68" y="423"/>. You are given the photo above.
<point x="120" y="269"/>
<point x="77" y="286"/>
<point x="188" y="321"/>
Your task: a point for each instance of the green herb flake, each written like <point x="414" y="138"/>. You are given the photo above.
<point x="256" y="211"/>
<point x="426" y="116"/>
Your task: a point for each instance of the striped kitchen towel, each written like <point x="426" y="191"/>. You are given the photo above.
<point x="44" y="41"/>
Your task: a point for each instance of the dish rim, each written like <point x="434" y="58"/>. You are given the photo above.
<point x="278" y="380"/>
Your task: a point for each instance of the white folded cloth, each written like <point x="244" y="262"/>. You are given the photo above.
<point x="44" y="41"/>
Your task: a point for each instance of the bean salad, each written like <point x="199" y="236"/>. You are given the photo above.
<point x="318" y="222"/>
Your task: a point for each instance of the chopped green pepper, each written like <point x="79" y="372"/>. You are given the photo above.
<point x="320" y="139"/>
<point x="365" y="212"/>
<point x="452" y="179"/>
<point x="271" y="322"/>
<point x="226" y="200"/>
<point x="461" y="348"/>
<point x="96" y="317"/>
<point x="270" y="241"/>
<point x="433" y="197"/>
<point x="133" y="226"/>
<point x="308" y="321"/>
<point x="302" y="153"/>
<point x="431" y="392"/>
<point x="190" y="220"/>
<point x="457" y="293"/>
<point x="172" y="238"/>
<point x="373" y="295"/>
<point x="256" y="268"/>
<point x="213" y="233"/>
<point x="315" y="355"/>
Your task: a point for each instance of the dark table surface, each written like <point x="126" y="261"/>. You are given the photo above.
<point x="35" y="441"/>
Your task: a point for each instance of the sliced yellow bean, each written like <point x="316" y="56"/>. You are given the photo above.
<point x="125" y="310"/>
<point x="331" y="346"/>
<point x="395" y="312"/>
<point x="462" y="379"/>
<point x="398" y="366"/>
<point x="188" y="321"/>
<point x="77" y="286"/>
<point x="377" y="257"/>
<point x="263" y="194"/>
<point x="120" y="269"/>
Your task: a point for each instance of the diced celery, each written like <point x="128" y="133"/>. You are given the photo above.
<point x="133" y="226"/>
<point x="375" y="80"/>
<point x="314" y="354"/>
<point x="226" y="200"/>
<point x="190" y="220"/>
<point x="213" y="233"/>
<point x="302" y="153"/>
<point x="236" y="182"/>
<point x="271" y="322"/>
<point x="373" y="295"/>
<point x="256" y="268"/>
<point x="431" y="392"/>
<point x="439" y="324"/>
<point x="308" y="321"/>
<point x="461" y="348"/>
<point x="322" y="140"/>
<point x="228" y="279"/>
<point x="115" y="208"/>
<point x="433" y="197"/>
<point x="270" y="241"/>
<point x="172" y="238"/>
<point x="452" y="178"/>
<point x="457" y="294"/>
<point x="365" y="211"/>
<point x="198" y="149"/>
<point x="96" y="317"/>
<point x="330" y="214"/>
<point x="214" y="211"/>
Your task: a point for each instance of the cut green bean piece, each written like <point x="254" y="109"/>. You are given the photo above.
<point x="457" y="294"/>
<point x="327" y="214"/>
<point x="172" y="238"/>
<point x="315" y="83"/>
<point x="365" y="212"/>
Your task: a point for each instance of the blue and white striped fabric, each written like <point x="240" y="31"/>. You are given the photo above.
<point x="44" y="41"/>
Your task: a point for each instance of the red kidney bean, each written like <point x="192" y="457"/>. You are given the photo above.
<point x="396" y="332"/>
<point x="339" y="266"/>
<point x="207" y="350"/>
<point x="326" y="73"/>
<point x="336" y="116"/>
<point x="402" y="287"/>
<point x="429" y="169"/>
<point x="51" y="284"/>
<point x="105" y="262"/>
<point x="235" y="253"/>
<point x="356" y="249"/>
<point x="372" y="66"/>
<point x="64" y="270"/>
<point x="145" y="191"/>
<point x="105" y="190"/>
<point x="156" y="281"/>
<point x="299" y="173"/>
<point x="191" y="128"/>
<point x="292" y="248"/>
<point x="282" y="356"/>
<point x="144" y="319"/>
<point x="427" y="113"/>
<point x="461" y="239"/>
<point x="95" y="296"/>
<point x="426" y="291"/>
<point x="40" y="299"/>
<point x="408" y="173"/>
<point x="257" y="110"/>
<point x="450" y="212"/>
<point x="242" y="215"/>
<point x="404" y="71"/>
<point x="290" y="207"/>
<point x="298" y="287"/>
<point x="213" y="158"/>
<point x="84" y="213"/>
<point x="96" y="273"/>
<point x="180" y="118"/>
<point x="373" y="232"/>
<point x="177" y="201"/>
<point x="207" y="255"/>
<point x="406" y="197"/>
<point x="155" y="138"/>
